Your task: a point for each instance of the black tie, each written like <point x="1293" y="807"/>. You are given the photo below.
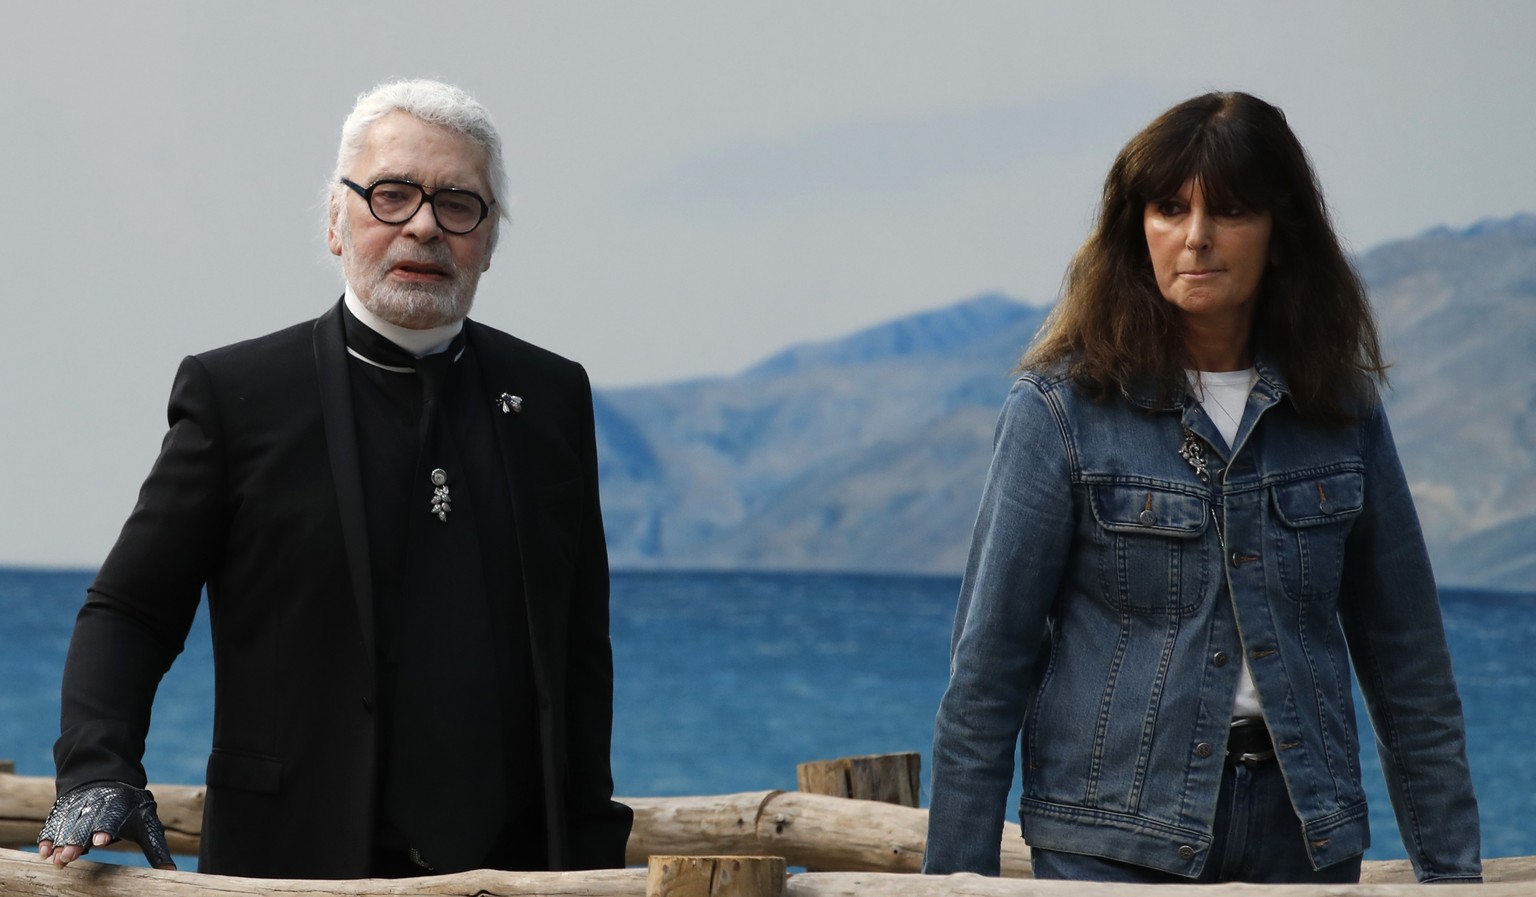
<point x="446" y="776"/>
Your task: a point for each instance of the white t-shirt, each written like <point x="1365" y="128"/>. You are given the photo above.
<point x="1224" y="395"/>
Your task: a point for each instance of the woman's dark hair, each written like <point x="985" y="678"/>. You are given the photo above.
<point x="1112" y="327"/>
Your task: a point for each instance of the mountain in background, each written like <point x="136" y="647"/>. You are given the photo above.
<point x="868" y="453"/>
<point x="1458" y="316"/>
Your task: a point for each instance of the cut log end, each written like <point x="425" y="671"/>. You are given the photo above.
<point x="722" y="876"/>
<point x="890" y="778"/>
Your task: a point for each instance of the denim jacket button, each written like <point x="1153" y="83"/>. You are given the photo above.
<point x="1219" y="658"/>
<point x="1235" y="559"/>
<point x="1186" y="852"/>
<point x="1202" y="750"/>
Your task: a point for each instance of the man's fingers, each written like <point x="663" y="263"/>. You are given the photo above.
<point x="67" y="854"/>
<point x="143" y="826"/>
<point x="157" y="854"/>
<point x="62" y="855"/>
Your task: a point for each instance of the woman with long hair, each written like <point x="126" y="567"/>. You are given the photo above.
<point x="1194" y="521"/>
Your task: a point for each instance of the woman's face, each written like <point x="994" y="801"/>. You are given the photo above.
<point x="1208" y="261"/>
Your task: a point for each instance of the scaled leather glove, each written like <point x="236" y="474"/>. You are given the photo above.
<point x="122" y="811"/>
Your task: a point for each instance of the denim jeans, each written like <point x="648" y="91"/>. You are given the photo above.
<point x="1257" y="838"/>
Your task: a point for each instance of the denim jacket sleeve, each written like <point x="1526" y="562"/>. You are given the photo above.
<point x="1390" y="611"/>
<point x="1018" y="550"/>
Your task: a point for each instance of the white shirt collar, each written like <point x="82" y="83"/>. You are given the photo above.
<point x="416" y="342"/>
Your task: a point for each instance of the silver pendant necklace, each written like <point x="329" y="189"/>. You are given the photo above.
<point x="440" y="497"/>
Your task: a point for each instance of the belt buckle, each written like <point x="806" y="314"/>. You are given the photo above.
<point x="1251" y="759"/>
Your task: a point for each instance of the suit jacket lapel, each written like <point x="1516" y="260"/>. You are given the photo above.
<point x="533" y="451"/>
<point x="502" y="373"/>
<point x="341" y="441"/>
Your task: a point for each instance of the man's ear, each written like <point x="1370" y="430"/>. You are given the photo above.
<point x="333" y="228"/>
<point x="490" y="247"/>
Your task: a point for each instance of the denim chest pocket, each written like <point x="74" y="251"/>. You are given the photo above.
<point x="1152" y="559"/>
<point x="1313" y="519"/>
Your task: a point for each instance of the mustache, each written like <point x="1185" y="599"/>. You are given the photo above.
<point x="422" y="254"/>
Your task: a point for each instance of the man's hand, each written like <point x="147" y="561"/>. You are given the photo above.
<point x="97" y="814"/>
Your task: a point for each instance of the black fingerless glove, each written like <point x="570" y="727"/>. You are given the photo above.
<point x="121" y="811"/>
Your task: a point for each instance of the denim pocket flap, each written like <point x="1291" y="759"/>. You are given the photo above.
<point x="244" y="772"/>
<point x="1312" y="502"/>
<point x="1147" y="509"/>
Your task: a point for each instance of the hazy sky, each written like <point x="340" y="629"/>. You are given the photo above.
<point x="695" y="184"/>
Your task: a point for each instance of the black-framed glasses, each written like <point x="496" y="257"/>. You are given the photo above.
<point x="394" y="201"/>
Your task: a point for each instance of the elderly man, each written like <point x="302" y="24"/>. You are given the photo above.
<point x="395" y="513"/>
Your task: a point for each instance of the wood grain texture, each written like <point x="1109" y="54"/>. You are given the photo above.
<point x="716" y="876"/>
<point x="891" y="778"/>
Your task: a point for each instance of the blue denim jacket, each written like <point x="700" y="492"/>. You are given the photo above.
<point x="1109" y="593"/>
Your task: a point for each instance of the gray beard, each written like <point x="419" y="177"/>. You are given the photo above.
<point x="418" y="307"/>
<point x="414" y="306"/>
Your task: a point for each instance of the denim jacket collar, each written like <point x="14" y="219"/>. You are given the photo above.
<point x="1271" y="380"/>
<point x="1268" y="390"/>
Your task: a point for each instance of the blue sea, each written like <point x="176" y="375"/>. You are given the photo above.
<point x="726" y="681"/>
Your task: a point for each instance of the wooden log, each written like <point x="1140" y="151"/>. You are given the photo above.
<point x="868" y="884"/>
<point x="24" y="875"/>
<point x="724" y="824"/>
<point x="827" y="833"/>
<point x="1495" y="870"/>
<point x="719" y="876"/>
<point x="809" y="830"/>
<point x="891" y="778"/>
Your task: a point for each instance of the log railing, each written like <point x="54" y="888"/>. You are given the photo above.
<point x="24" y="875"/>
<point x="809" y="830"/>
<point x="874" y="847"/>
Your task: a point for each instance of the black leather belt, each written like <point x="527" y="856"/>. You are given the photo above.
<point x="1249" y="743"/>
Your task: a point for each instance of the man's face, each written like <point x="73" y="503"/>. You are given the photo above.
<point x="413" y="274"/>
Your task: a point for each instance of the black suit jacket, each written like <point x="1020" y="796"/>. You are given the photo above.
<point x="257" y="493"/>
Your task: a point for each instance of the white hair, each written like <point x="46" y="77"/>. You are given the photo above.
<point x="433" y="102"/>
